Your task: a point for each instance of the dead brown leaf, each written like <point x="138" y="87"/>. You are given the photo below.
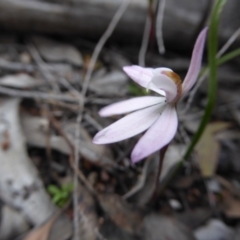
<point x="42" y="232"/>
<point x="208" y="148"/>
<point x="230" y="204"/>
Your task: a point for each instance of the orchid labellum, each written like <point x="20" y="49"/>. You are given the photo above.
<point x="155" y="113"/>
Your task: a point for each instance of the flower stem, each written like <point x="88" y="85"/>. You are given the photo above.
<point x="212" y="87"/>
<point x="161" y="158"/>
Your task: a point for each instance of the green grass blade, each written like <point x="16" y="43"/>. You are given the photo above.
<point x="213" y="64"/>
<point x="228" y="56"/>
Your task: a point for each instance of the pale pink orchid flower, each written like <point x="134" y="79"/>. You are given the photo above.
<point x="155" y="113"/>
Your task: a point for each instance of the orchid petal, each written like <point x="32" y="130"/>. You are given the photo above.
<point x="130" y="105"/>
<point x="129" y="125"/>
<point x="158" y="135"/>
<point x="166" y="84"/>
<point x="142" y="76"/>
<point x="196" y="61"/>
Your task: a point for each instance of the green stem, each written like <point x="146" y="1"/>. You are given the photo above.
<point x="212" y="87"/>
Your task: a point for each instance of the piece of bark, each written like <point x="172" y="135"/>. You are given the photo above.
<point x="12" y="223"/>
<point x="20" y="185"/>
<point x="89" y="19"/>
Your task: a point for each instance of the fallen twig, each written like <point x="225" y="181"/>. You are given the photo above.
<point x="87" y="78"/>
<point x="37" y="95"/>
<point x="146" y="35"/>
<point x="159" y="23"/>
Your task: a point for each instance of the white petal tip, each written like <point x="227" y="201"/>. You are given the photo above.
<point x="99" y="138"/>
<point x="136" y="157"/>
<point x="102" y="113"/>
<point x="128" y="69"/>
<point x="96" y="140"/>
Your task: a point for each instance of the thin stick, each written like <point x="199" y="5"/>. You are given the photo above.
<point x="15" y="66"/>
<point x="145" y="40"/>
<point x="92" y="121"/>
<point x="46" y="72"/>
<point x="146" y="35"/>
<point x="41" y="64"/>
<point x="71" y="107"/>
<point x="229" y="42"/>
<point x="36" y="95"/>
<point x="59" y="129"/>
<point x="93" y="60"/>
<point x="102" y="42"/>
<point x="159" y="24"/>
<point x="141" y="181"/>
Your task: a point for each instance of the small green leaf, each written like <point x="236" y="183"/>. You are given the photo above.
<point x="56" y="198"/>
<point x="136" y="91"/>
<point x="52" y="189"/>
<point x="60" y="195"/>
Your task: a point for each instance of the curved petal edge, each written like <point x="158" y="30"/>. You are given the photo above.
<point x="196" y="62"/>
<point x="157" y="136"/>
<point x="128" y="126"/>
<point x="130" y="105"/>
